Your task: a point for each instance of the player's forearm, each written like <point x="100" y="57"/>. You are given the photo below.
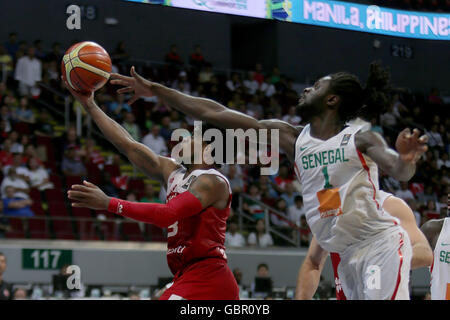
<point x="307" y="282"/>
<point x="204" y="109"/>
<point x="403" y="170"/>
<point x="113" y="131"/>
<point x="422" y="256"/>
<point x="161" y="215"/>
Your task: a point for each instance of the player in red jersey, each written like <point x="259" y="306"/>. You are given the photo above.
<point x="196" y="211"/>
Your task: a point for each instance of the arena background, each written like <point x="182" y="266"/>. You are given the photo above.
<point x="128" y="258"/>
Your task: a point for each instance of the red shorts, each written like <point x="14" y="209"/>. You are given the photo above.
<point x="209" y="279"/>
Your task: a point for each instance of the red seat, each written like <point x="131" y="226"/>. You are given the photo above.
<point x="87" y="230"/>
<point x="63" y="229"/>
<point x="57" y="209"/>
<point x="71" y="180"/>
<point x="136" y="184"/>
<point x="94" y="173"/>
<point x="55" y="194"/>
<point x="113" y="169"/>
<point x="109" y="230"/>
<point x="131" y="231"/>
<point x="56" y="181"/>
<point x="36" y="207"/>
<point x="35" y="195"/>
<point x="17" y="229"/>
<point x="81" y="212"/>
<point x="38" y="228"/>
<point x="22" y="128"/>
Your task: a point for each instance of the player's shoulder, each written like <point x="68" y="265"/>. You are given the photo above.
<point x="432" y="227"/>
<point x="211" y="180"/>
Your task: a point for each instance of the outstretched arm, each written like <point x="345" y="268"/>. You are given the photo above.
<point x="422" y="254"/>
<point x="205" y="191"/>
<point x="203" y="109"/>
<point x="309" y="273"/>
<point x="402" y="164"/>
<point x="144" y="158"/>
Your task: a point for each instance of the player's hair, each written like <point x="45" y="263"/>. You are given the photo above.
<point x="262" y="265"/>
<point x="359" y="101"/>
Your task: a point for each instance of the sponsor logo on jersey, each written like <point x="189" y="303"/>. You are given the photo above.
<point x="188" y="183"/>
<point x="323" y="158"/>
<point x="178" y="249"/>
<point x="345" y="139"/>
<point x="119" y="208"/>
<point x="171" y="195"/>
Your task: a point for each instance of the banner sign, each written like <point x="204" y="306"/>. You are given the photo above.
<point x="332" y="14"/>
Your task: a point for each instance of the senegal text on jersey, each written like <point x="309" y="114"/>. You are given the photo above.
<point x="324" y="158"/>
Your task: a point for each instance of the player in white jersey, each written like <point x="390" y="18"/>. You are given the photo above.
<point x="335" y="163"/>
<point x="438" y="234"/>
<point x="312" y="266"/>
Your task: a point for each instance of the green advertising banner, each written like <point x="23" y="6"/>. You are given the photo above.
<point x="45" y="259"/>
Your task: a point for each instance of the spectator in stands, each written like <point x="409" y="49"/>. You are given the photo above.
<point x="71" y="140"/>
<point x="389" y="118"/>
<point x="206" y="74"/>
<point x="430" y="211"/>
<point x="28" y="71"/>
<point x="443" y="161"/>
<point x="6" y="116"/>
<point x="254" y="108"/>
<point x="130" y="125"/>
<point x="296" y="211"/>
<point x="280" y="221"/>
<point x="5" y="288"/>
<point x="16" y="206"/>
<point x="6" y="157"/>
<point x="6" y="62"/>
<point x="120" y="54"/>
<point x="269" y="186"/>
<point x="20" y="294"/>
<point x="282" y="179"/>
<point x="413" y="205"/>
<point x="38" y="176"/>
<point x="165" y="129"/>
<point x="22" y="171"/>
<point x="43" y="127"/>
<point x="16" y="146"/>
<point x="267" y="88"/>
<point x="435" y="138"/>
<point x="252" y="207"/>
<point x="92" y="154"/>
<point x="260" y="238"/>
<point x="150" y="195"/>
<point x="428" y="195"/>
<point x="12" y="46"/>
<point x="108" y="186"/>
<point x="292" y="117"/>
<point x="289" y="194"/>
<point x="117" y="108"/>
<point x="258" y="75"/>
<point x="262" y="271"/>
<point x="234" y="83"/>
<point x="404" y="193"/>
<point x="434" y="97"/>
<point x="196" y="59"/>
<point x="71" y="164"/>
<point x="20" y="189"/>
<point x="56" y="54"/>
<point x="233" y="238"/>
<point x="173" y="58"/>
<point x="155" y="141"/>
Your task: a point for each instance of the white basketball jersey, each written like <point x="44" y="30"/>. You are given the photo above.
<point x="340" y="190"/>
<point x="440" y="270"/>
<point x="178" y="183"/>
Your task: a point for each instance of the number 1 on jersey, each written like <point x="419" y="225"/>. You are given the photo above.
<point x="327" y="178"/>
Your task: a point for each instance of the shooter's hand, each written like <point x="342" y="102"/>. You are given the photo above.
<point x="89" y="196"/>
<point x="411" y="146"/>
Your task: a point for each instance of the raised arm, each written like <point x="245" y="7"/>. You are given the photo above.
<point x="309" y="274"/>
<point x="204" y="109"/>
<point x="144" y="158"/>
<point x="402" y="164"/>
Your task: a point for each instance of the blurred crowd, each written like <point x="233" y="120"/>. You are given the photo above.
<point x="28" y="163"/>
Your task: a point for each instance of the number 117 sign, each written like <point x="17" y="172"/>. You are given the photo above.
<point x="45" y="259"/>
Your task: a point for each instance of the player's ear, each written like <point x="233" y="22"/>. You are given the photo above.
<point x="332" y="101"/>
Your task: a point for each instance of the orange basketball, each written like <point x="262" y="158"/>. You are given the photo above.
<point x="86" y="66"/>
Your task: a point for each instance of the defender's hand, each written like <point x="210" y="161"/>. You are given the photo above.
<point x="137" y="84"/>
<point x="89" y="196"/>
<point x="411" y="146"/>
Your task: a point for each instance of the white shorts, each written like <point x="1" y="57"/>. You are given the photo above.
<point x="378" y="268"/>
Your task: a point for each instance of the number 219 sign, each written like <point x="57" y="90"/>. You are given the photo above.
<point x="45" y="259"/>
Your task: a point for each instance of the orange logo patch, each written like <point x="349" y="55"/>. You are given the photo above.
<point x="329" y="202"/>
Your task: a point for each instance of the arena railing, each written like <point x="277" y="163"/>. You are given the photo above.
<point x="268" y="210"/>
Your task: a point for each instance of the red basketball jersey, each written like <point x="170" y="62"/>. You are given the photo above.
<point x="199" y="236"/>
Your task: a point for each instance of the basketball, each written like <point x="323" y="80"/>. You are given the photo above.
<point x="86" y="66"/>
